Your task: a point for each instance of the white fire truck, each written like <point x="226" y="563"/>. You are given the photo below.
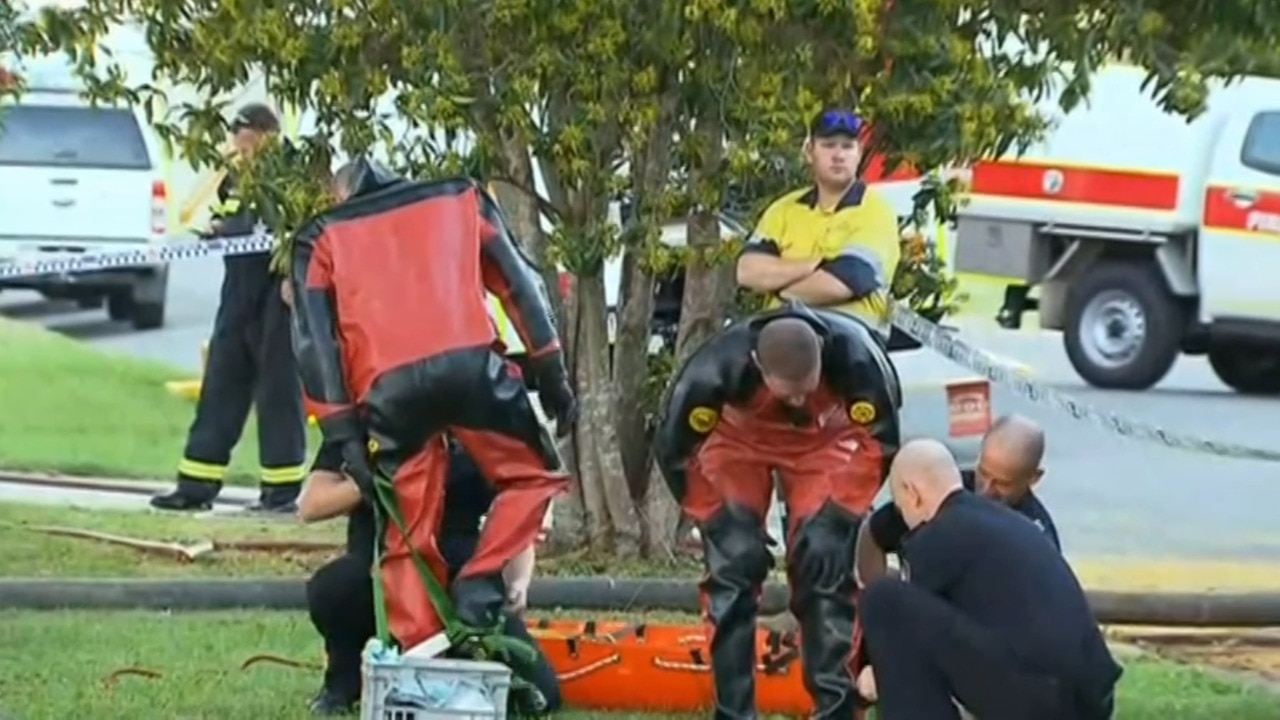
<point x="1147" y="236"/>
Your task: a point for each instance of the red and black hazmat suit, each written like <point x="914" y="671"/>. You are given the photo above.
<point x="722" y="439"/>
<point x="396" y="347"/>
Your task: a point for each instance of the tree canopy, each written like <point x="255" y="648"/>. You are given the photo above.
<point x="570" y="104"/>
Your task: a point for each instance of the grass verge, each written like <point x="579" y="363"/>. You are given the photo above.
<point x="71" y="409"/>
<point x="56" y="664"/>
<point x="30" y="553"/>
<point x="34" y="554"/>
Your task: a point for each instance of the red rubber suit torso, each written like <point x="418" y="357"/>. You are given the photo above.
<point x="385" y="268"/>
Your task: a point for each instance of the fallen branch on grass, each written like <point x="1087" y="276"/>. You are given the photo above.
<point x="177" y="551"/>
<point x="278" y="660"/>
<point x="189" y="552"/>
<point x="110" y="680"/>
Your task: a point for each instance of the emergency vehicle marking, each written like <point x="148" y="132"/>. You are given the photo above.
<point x="1223" y="210"/>
<point x="1067" y="183"/>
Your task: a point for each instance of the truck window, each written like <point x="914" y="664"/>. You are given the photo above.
<point x="1261" y="149"/>
<point x="71" y="137"/>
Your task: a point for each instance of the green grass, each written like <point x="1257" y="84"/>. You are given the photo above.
<point x="55" y="664"/>
<point x="70" y="409"/>
<point x="30" y="553"/>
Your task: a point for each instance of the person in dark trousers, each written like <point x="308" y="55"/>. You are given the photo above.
<point x="251" y="364"/>
<point x="987" y="617"/>
<point x="340" y="594"/>
<point x="1009" y="466"/>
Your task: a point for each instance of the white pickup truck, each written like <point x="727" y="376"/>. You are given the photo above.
<point x="1148" y="236"/>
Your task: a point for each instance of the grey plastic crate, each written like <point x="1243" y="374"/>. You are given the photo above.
<point x="381" y="679"/>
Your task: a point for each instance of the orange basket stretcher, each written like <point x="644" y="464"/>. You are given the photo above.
<point x="662" y="668"/>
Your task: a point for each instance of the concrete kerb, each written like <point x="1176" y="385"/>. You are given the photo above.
<point x="230" y="495"/>
<point x="599" y="594"/>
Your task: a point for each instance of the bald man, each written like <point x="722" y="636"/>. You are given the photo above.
<point x="1009" y="466"/>
<point x="988" y="615"/>
<point x="808" y="394"/>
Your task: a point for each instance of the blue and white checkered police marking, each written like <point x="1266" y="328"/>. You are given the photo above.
<point x="927" y="333"/>
<point x="154" y="255"/>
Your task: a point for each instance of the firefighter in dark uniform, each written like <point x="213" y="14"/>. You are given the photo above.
<point x="251" y="364"/>
<point x="810" y="395"/>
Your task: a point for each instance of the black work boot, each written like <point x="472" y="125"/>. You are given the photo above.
<point x="340" y="693"/>
<point x="330" y="703"/>
<point x="1015" y="304"/>
<point x="282" y="499"/>
<point x="822" y="601"/>
<point x="190" y="495"/>
<point x="737" y="561"/>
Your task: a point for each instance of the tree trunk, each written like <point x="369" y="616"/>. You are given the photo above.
<point x="569" y="521"/>
<point x="631" y="371"/>
<point x="604" y="487"/>
<point x="652" y="166"/>
<point x="707" y="289"/>
<point x="661" y="516"/>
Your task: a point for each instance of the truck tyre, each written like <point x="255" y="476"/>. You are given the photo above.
<point x="148" y="315"/>
<point x="120" y="305"/>
<point x="1245" y="370"/>
<point x="1123" y="327"/>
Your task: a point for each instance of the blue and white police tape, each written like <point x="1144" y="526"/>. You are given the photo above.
<point x="63" y="264"/>
<point x="927" y="333"/>
<point x="997" y="371"/>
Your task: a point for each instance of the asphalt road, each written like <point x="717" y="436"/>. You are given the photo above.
<point x="1111" y="496"/>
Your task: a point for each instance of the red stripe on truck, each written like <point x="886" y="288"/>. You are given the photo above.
<point x="1097" y="186"/>
<point x="1242" y="209"/>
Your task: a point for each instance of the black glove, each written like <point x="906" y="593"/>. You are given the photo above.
<point x="554" y="392"/>
<point x="347" y="431"/>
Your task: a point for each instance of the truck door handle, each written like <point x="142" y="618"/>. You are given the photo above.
<point x="64" y="181"/>
<point x="1242" y="199"/>
<point x="64" y="203"/>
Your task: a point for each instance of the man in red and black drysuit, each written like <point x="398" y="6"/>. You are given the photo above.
<point x="811" y="396"/>
<point x="396" y="346"/>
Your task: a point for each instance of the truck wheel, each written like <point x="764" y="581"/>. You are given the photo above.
<point x="1245" y="370"/>
<point x="148" y="315"/>
<point x="1124" y="329"/>
<point x="120" y="305"/>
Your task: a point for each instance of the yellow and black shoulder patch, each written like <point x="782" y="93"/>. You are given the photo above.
<point x="703" y="419"/>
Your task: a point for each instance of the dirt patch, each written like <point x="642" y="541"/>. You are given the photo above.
<point x="1252" y="655"/>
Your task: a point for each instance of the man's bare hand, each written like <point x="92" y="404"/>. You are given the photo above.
<point x="518" y="598"/>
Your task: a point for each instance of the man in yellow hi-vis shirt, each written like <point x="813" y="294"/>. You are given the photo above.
<point x="833" y="244"/>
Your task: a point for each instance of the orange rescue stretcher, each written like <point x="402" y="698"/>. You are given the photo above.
<point x="661" y="668"/>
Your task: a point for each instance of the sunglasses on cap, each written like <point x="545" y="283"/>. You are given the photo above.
<point x="837" y="122"/>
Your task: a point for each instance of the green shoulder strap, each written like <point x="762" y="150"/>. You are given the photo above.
<point x="487" y="643"/>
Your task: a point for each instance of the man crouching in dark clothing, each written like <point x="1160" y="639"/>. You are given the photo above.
<point x="340" y="594"/>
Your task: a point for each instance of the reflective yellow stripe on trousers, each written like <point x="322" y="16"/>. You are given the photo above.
<point x="196" y="470"/>
<point x="283" y="475"/>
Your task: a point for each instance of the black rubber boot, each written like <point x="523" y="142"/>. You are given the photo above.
<point x="281" y="499"/>
<point x="737" y="560"/>
<point x="822" y="591"/>
<point x="190" y="495"/>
